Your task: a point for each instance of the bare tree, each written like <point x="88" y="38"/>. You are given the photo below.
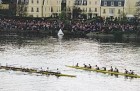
<point x="76" y="12"/>
<point x="21" y="9"/>
<point x="138" y="8"/>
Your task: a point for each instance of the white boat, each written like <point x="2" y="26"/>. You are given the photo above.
<point x="60" y="32"/>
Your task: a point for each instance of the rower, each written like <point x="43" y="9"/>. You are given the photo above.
<point x="38" y="70"/>
<point x="131" y="72"/>
<point x="77" y="65"/>
<point x="89" y="66"/>
<point x="116" y="70"/>
<point x="126" y="72"/>
<point x="111" y="69"/>
<point x="104" y="68"/>
<point x="97" y="68"/>
<point x="41" y="69"/>
<point x="85" y="65"/>
<point x="47" y="69"/>
<point x="58" y="72"/>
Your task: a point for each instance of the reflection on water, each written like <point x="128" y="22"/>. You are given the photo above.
<point x="56" y="53"/>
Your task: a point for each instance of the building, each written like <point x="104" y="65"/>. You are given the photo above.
<point x="39" y="8"/>
<point x="32" y="8"/>
<point x="118" y="8"/>
<point x="113" y="8"/>
<point x="89" y="8"/>
<point x="55" y="7"/>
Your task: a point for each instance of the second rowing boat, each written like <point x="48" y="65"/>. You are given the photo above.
<point x="103" y="71"/>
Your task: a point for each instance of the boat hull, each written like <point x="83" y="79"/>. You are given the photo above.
<point x="102" y="71"/>
<point x="36" y="71"/>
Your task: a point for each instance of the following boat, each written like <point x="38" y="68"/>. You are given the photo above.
<point x="103" y="71"/>
<point x="29" y="70"/>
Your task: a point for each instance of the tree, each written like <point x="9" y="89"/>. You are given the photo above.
<point x="138" y="8"/>
<point x="76" y="12"/>
<point x="21" y="9"/>
<point x="122" y="14"/>
<point x="62" y="16"/>
<point x="6" y="1"/>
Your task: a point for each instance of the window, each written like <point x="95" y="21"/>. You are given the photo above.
<point x="95" y="2"/>
<point x="84" y="2"/>
<point x="51" y="9"/>
<point x="119" y="11"/>
<point x="104" y="11"/>
<point x="19" y="2"/>
<point x="112" y="3"/>
<point x="105" y="3"/>
<point x="57" y="9"/>
<point x="37" y="1"/>
<point x="26" y="2"/>
<point x="69" y="9"/>
<point x="95" y="9"/>
<point x="78" y="3"/>
<point x="32" y="10"/>
<point x="83" y="10"/>
<point x="25" y="9"/>
<point x="37" y="10"/>
<point x="43" y="2"/>
<point x="111" y="11"/>
<point x="89" y="9"/>
<point x="119" y="3"/>
<point x="89" y="2"/>
<point x="32" y="1"/>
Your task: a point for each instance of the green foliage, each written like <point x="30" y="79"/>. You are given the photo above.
<point x="76" y="12"/>
<point x="138" y="8"/>
<point x="62" y="16"/>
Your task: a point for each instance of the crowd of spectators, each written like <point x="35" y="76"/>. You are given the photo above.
<point x="73" y="26"/>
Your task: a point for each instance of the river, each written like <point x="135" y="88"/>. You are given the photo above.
<point x="56" y="52"/>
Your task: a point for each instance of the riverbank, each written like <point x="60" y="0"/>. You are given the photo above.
<point x="116" y="36"/>
<point x="113" y="36"/>
<point x="39" y="33"/>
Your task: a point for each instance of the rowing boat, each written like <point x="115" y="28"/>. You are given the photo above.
<point x="35" y="71"/>
<point x="103" y="71"/>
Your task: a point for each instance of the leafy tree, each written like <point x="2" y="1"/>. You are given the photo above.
<point x="62" y="16"/>
<point x="21" y="11"/>
<point x="138" y="8"/>
<point x="76" y="12"/>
